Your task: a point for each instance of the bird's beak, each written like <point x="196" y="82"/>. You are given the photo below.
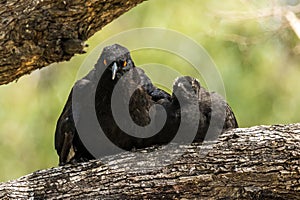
<point x="114" y="70"/>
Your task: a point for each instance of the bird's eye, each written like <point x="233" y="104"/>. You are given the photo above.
<point x="104" y="62"/>
<point x="124" y="63"/>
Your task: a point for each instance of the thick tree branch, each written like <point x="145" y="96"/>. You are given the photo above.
<point x="252" y="163"/>
<point x="36" y="33"/>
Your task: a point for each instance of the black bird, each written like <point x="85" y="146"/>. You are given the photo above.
<point x="115" y="69"/>
<point x="215" y="115"/>
<point x="113" y="63"/>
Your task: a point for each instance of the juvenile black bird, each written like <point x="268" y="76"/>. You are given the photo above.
<point x="138" y="93"/>
<point x="215" y="115"/>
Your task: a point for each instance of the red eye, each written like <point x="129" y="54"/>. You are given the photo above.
<point x="125" y="63"/>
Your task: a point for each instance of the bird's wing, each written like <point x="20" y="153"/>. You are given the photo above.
<point x="65" y="128"/>
<point x="211" y="101"/>
<point x="64" y="132"/>
<point x="230" y="120"/>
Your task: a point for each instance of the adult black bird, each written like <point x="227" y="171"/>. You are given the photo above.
<point x="114" y="62"/>
<point x="115" y="71"/>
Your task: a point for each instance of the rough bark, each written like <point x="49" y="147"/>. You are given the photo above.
<point x="260" y="162"/>
<point x="36" y="33"/>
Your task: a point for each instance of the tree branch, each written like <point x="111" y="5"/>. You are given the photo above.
<point x="247" y="163"/>
<point x="34" y="34"/>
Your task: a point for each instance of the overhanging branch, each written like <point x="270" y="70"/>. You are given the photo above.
<point x="34" y="34"/>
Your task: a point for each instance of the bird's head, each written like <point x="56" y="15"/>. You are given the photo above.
<point x="117" y="59"/>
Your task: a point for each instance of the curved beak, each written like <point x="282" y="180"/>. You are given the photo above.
<point x="114" y="70"/>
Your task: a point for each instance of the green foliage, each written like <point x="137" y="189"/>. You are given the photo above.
<point x="257" y="57"/>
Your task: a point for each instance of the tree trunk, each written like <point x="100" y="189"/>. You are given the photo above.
<point x="260" y="162"/>
<point x="34" y="34"/>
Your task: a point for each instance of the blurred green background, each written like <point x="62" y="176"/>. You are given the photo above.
<point x="254" y="48"/>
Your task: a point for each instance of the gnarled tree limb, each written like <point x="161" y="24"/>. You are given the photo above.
<point x="260" y="162"/>
<point x="36" y="33"/>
